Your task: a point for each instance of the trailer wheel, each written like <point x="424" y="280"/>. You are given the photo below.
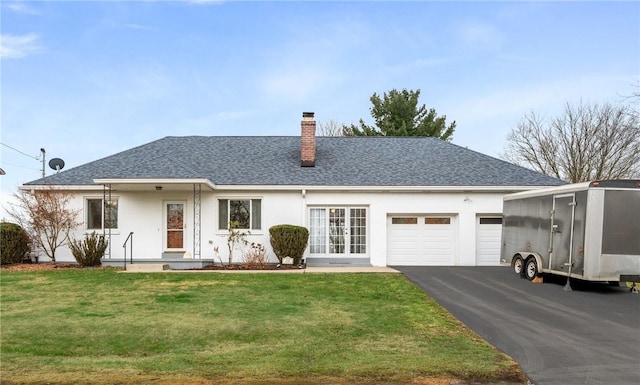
<point x="518" y="266"/>
<point x="531" y="269"/>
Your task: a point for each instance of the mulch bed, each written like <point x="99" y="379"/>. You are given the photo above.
<point x="251" y="267"/>
<point x="39" y="266"/>
<point x="53" y="266"/>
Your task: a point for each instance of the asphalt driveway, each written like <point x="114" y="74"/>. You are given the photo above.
<point x="587" y="336"/>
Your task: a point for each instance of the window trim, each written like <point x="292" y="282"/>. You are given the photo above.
<point x="490" y="220"/>
<point x="102" y="214"/>
<point x="430" y="220"/>
<point x="399" y="220"/>
<point x="251" y="200"/>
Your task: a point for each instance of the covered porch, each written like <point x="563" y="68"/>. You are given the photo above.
<point x="158" y="221"/>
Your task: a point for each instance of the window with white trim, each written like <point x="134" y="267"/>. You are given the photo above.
<point x="247" y="212"/>
<point x="101" y="214"/>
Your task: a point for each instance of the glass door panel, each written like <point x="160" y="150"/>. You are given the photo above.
<point x="175" y="225"/>
<point x="318" y="231"/>
<point x="358" y="231"/>
<point x="336" y="231"/>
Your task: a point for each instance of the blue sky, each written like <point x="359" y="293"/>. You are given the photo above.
<point x="88" y="79"/>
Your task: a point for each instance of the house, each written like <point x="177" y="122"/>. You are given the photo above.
<point x="365" y="200"/>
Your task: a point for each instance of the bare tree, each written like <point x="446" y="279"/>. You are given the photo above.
<point x="586" y="142"/>
<point x="46" y="216"/>
<point x="634" y="99"/>
<point x="330" y="128"/>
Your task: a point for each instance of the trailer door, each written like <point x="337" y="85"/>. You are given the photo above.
<point x="562" y="233"/>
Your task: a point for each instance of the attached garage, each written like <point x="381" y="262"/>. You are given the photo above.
<point x="417" y="240"/>
<point x="488" y="238"/>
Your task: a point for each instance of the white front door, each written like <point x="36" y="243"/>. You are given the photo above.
<point x="338" y="231"/>
<point x="174" y="224"/>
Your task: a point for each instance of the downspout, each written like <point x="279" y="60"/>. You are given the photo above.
<point x="197" y="221"/>
<point x="106" y="197"/>
<point x="304" y="206"/>
<point x="304" y="209"/>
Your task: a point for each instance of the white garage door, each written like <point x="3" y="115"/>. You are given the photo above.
<point x="488" y="235"/>
<point x="421" y="240"/>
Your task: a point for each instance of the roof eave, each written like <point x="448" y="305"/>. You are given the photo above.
<point x="381" y="188"/>
<point x="155" y="182"/>
<point x="66" y="187"/>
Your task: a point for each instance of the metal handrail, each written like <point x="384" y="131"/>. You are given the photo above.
<point x="124" y="246"/>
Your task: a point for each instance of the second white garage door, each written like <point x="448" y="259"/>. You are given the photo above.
<point x="421" y="240"/>
<point x="488" y="236"/>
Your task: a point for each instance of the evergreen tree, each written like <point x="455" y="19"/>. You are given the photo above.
<point x="397" y="114"/>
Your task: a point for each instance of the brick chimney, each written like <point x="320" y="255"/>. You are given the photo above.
<point x="308" y="140"/>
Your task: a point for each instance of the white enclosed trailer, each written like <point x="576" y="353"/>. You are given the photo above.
<point x="589" y="231"/>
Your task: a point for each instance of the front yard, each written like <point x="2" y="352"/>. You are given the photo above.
<point x="104" y="327"/>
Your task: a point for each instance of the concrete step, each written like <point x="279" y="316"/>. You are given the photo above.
<point x="147" y="267"/>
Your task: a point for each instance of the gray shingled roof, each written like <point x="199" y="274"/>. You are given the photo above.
<point x="340" y="161"/>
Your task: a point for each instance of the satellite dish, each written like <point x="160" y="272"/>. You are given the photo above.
<point x="56" y="164"/>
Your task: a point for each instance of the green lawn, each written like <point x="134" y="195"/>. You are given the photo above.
<point x="101" y="326"/>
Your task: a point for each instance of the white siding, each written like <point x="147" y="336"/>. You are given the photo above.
<point x="141" y="213"/>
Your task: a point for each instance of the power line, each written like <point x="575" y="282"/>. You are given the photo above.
<point x="25" y="154"/>
<point x="17" y="165"/>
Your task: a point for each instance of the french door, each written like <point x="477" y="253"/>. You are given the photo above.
<point x="174" y="220"/>
<point x="338" y="231"/>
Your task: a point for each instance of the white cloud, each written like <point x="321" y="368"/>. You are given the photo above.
<point x="548" y="97"/>
<point x="22" y="7"/>
<point x="479" y="35"/>
<point x="139" y="27"/>
<point x="419" y="64"/>
<point x="235" y="114"/>
<point x="205" y="2"/>
<point x="484" y="119"/>
<point x="17" y="46"/>
<point x="294" y="83"/>
<point x="314" y="58"/>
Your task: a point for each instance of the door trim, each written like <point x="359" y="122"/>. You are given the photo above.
<point x="165" y="229"/>
<point x="480" y="227"/>
<point x="347" y="235"/>
<point x="572" y="204"/>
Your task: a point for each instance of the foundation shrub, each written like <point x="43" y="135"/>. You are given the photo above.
<point x="89" y="252"/>
<point x="255" y="256"/>
<point x="14" y="243"/>
<point x="289" y="241"/>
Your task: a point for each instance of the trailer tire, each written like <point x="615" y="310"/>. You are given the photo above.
<point x="518" y="266"/>
<point x="531" y="269"/>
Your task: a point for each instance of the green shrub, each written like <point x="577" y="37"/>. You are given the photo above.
<point x="289" y="241"/>
<point x="90" y="251"/>
<point x="14" y="243"/>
